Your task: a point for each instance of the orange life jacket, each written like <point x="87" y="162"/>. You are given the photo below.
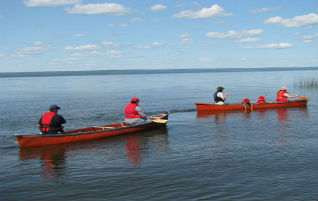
<point x="280" y="97"/>
<point x="46" y="121"/>
<point x="130" y="111"/>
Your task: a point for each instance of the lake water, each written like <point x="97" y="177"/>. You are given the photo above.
<point x="262" y="155"/>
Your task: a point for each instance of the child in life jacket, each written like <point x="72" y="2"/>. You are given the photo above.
<point x="261" y="99"/>
<point x="246" y="101"/>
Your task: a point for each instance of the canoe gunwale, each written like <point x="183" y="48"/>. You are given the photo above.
<point x="143" y="123"/>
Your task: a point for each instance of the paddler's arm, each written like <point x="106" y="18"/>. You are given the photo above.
<point x="289" y="96"/>
<point x="140" y="112"/>
<point x="40" y="124"/>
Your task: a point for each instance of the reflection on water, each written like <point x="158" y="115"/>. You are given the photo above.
<point x="283" y="116"/>
<point x="53" y="158"/>
<point x="133" y="146"/>
<point x="136" y="145"/>
<point x="220" y="116"/>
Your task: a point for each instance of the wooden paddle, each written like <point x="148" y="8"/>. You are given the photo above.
<point x="160" y="121"/>
<point x="302" y="97"/>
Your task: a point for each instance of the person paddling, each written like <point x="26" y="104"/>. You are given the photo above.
<point x="133" y="112"/>
<point x="51" y="122"/>
<point x="282" y="95"/>
<point x="219" y="98"/>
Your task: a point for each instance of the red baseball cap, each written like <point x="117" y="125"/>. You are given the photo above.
<point x="135" y="99"/>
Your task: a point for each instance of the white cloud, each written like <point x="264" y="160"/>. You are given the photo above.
<point x="135" y="20"/>
<point x="297" y="21"/>
<point x="186" y="39"/>
<point x="153" y="45"/>
<point x="271" y="45"/>
<point x="157" y="44"/>
<point x="76" y="55"/>
<point x="50" y="3"/>
<point x="105" y="8"/>
<point x="158" y="7"/>
<point x="263" y="10"/>
<point x="37" y="48"/>
<point x="114" y="53"/>
<point x="95" y="53"/>
<point x="124" y="24"/>
<point x="79" y="35"/>
<point x="110" y="44"/>
<point x="142" y="46"/>
<point x="89" y="53"/>
<point x="214" y="11"/>
<point x="71" y="59"/>
<point x="82" y="47"/>
<point x="234" y="34"/>
<point x="205" y="59"/>
<point x="185" y="35"/>
<point x="309" y="38"/>
<point x="248" y="39"/>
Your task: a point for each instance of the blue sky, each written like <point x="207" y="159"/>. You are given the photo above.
<point x="55" y="35"/>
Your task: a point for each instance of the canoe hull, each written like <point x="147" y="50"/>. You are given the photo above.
<point x="255" y="106"/>
<point x="89" y="133"/>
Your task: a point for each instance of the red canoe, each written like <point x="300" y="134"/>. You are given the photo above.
<point x="90" y="133"/>
<point x="254" y="106"/>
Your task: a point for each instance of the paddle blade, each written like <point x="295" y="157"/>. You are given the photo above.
<point x="160" y="121"/>
<point x="305" y="98"/>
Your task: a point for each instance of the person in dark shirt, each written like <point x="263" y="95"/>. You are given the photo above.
<point x="51" y="122"/>
<point x="219" y="98"/>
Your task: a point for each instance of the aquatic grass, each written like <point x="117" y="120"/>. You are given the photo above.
<point x="307" y="83"/>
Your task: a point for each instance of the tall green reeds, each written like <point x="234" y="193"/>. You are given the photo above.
<point x="308" y="83"/>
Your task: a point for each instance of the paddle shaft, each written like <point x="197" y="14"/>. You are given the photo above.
<point x="303" y="97"/>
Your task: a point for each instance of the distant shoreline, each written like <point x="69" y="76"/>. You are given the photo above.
<point x="138" y="71"/>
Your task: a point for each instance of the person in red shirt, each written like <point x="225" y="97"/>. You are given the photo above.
<point x="282" y="95"/>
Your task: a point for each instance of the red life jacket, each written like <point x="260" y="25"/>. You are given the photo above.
<point x="280" y="97"/>
<point x="130" y="111"/>
<point x="246" y="101"/>
<point x="46" y="121"/>
<point x="261" y="99"/>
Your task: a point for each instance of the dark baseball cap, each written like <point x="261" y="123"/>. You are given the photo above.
<point x="52" y="107"/>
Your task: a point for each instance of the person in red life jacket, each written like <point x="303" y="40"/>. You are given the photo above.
<point x="247" y="102"/>
<point x="261" y="99"/>
<point x="51" y="122"/>
<point x="219" y="98"/>
<point x="133" y="112"/>
<point x="282" y="95"/>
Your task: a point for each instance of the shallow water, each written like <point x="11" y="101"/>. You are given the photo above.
<point x="260" y="155"/>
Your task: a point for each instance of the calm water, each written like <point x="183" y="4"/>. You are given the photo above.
<point x="269" y="155"/>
